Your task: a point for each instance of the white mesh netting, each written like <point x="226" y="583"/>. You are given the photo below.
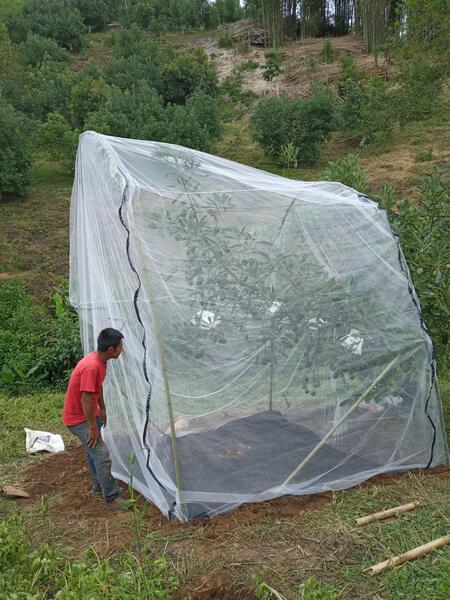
<point x="273" y="341"/>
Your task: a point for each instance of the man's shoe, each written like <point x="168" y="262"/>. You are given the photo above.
<point x="115" y="505"/>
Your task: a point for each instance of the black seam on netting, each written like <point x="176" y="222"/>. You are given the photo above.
<point x="433" y="360"/>
<point x="144" y="341"/>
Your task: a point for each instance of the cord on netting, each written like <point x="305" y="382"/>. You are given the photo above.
<point x="433" y="360"/>
<point x="144" y="340"/>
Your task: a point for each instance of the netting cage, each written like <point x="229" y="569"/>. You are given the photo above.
<point x="273" y="340"/>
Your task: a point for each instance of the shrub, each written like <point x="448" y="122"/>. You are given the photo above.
<point x="272" y="67"/>
<point x="59" y="140"/>
<point x="15" y="152"/>
<point x="417" y="96"/>
<point x="47" y="90"/>
<point x="350" y="87"/>
<point x="37" y="48"/>
<point x="349" y="172"/>
<point x="126" y="42"/>
<point x="93" y="12"/>
<point x="195" y="125"/>
<point x="378" y="114"/>
<point x="423" y="227"/>
<point x="304" y="122"/>
<point x="225" y="41"/>
<point x="33" y="339"/>
<point x="327" y="52"/>
<point x="55" y="19"/>
<point x="86" y="97"/>
<point x="188" y="71"/>
<point x="137" y="113"/>
<point x="127" y="72"/>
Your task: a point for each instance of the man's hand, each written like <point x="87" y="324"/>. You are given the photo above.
<point x="94" y="436"/>
<point x="103" y="416"/>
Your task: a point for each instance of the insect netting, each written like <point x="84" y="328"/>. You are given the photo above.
<point x="273" y="340"/>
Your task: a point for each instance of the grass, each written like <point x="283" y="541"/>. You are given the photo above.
<point x="35" y="231"/>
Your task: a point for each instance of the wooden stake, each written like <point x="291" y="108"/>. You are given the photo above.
<point x="411" y="555"/>
<point x="339" y="423"/>
<point x="384" y="514"/>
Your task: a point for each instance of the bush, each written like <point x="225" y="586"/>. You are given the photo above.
<point x="59" y="140"/>
<point x="93" y="12"/>
<point x="272" y="67"/>
<point x="126" y="42"/>
<point x="137" y="113"/>
<point x="36" y="49"/>
<point x="47" y="90"/>
<point x="188" y="71"/>
<point x="327" y="52"/>
<point x="225" y="41"/>
<point x="55" y="19"/>
<point x="379" y="114"/>
<point x="349" y="172"/>
<point x="303" y="122"/>
<point x="420" y="89"/>
<point x="423" y="227"/>
<point x="15" y="151"/>
<point x="127" y="72"/>
<point x="85" y="97"/>
<point x="36" y="349"/>
<point x="350" y="87"/>
<point x="195" y="125"/>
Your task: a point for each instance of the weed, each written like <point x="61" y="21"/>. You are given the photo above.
<point x="425" y="155"/>
<point x="327" y="53"/>
<point x="349" y="172"/>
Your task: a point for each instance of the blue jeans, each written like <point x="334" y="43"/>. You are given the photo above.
<point x="98" y="460"/>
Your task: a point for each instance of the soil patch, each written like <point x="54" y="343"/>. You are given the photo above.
<point x="65" y="477"/>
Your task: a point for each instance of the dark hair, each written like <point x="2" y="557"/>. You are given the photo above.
<point x="107" y="338"/>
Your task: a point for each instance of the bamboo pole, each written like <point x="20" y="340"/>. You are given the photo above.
<point x="149" y="290"/>
<point x="339" y="423"/>
<point x="407" y="556"/>
<point x="385" y="514"/>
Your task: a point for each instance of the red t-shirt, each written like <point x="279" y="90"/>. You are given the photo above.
<point x="87" y="376"/>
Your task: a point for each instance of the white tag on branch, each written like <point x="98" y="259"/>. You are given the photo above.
<point x="206" y="319"/>
<point x="38" y="441"/>
<point x="353" y="342"/>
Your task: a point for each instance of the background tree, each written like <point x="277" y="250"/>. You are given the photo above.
<point x="36" y="48"/>
<point x="303" y="122"/>
<point x="15" y="151"/>
<point x="93" y="12"/>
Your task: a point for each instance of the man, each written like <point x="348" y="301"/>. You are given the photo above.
<point x="84" y="412"/>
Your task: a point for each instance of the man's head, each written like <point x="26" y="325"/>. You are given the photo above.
<point x="109" y="343"/>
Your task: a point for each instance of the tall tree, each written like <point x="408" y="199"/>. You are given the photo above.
<point x="272" y="17"/>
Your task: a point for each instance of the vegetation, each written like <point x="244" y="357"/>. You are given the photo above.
<point x="44" y="572"/>
<point x="303" y="122"/>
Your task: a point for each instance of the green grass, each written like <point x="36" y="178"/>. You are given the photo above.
<point x="39" y="411"/>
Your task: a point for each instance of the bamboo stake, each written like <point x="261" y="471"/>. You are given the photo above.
<point x="384" y="514"/>
<point x="407" y="556"/>
<point x="339" y="423"/>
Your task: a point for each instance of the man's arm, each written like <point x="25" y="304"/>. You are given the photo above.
<point x="101" y="406"/>
<point x="88" y="410"/>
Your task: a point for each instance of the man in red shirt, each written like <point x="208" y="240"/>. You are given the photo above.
<point x="84" y="412"/>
